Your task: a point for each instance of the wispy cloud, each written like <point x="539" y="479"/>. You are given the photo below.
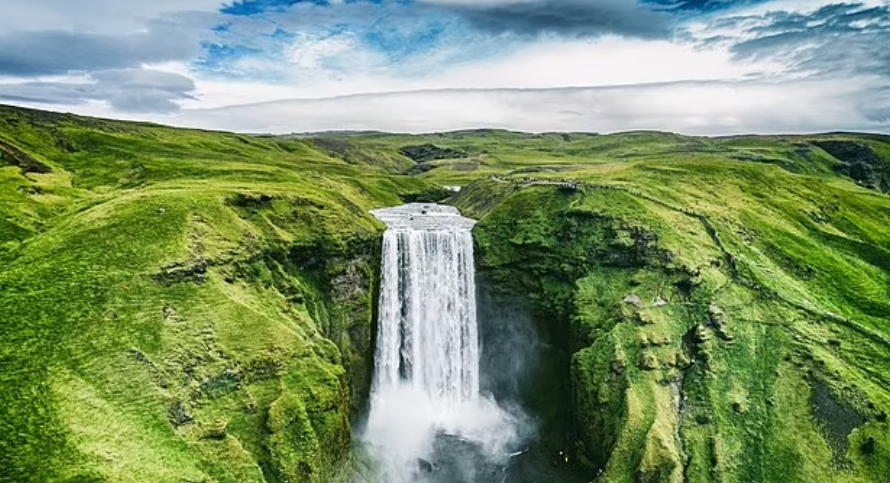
<point x="840" y="39"/>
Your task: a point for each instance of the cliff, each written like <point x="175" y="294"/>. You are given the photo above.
<point x="180" y="305"/>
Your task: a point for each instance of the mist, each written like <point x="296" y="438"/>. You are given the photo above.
<point x="466" y="389"/>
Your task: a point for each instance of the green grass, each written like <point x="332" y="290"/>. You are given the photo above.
<point x="795" y="263"/>
<point x="160" y="282"/>
<point x="181" y="305"/>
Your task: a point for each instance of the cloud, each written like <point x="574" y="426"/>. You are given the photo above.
<point x="55" y="52"/>
<point x="712" y="59"/>
<point x="306" y="43"/>
<point x="833" y="40"/>
<point x="97" y="16"/>
<point x="310" y="42"/>
<point x="564" y="18"/>
<point x="126" y="90"/>
<point x="704" y="5"/>
<point x="876" y="107"/>
<point x="58" y="52"/>
<point x="688" y="107"/>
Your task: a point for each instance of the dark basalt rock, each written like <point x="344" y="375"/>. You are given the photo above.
<point x="182" y="273"/>
<point x="10" y="154"/>
<point x="179" y="415"/>
<point x="861" y="163"/>
<point x="838" y="417"/>
<point x="425" y="465"/>
<point x="430" y="152"/>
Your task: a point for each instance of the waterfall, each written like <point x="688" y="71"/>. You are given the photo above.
<point x="427" y="327"/>
<point x="426" y="373"/>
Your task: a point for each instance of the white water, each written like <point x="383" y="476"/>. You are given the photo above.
<point x="426" y="379"/>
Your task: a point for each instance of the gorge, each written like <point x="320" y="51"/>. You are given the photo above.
<point x="181" y="305"/>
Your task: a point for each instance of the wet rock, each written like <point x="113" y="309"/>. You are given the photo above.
<point x="425" y="465"/>
<point x="700" y="335"/>
<point x="179" y="415"/>
<point x="430" y="152"/>
<point x="682" y="361"/>
<point x="10" y="154"/>
<point x="716" y="319"/>
<point x="182" y="273"/>
<point x="634" y="299"/>
<point x="860" y="162"/>
<point x="618" y="367"/>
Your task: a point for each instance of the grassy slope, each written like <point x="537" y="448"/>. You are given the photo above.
<point x="767" y="359"/>
<point x="151" y="281"/>
<point x="729" y="298"/>
<point x="169" y="299"/>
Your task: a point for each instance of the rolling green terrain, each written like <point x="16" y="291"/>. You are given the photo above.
<point x="191" y="306"/>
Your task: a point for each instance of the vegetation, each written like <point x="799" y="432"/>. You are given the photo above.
<point x="180" y="305"/>
<point x="730" y="317"/>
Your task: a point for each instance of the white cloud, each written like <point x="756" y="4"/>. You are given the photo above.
<point x="477" y="3"/>
<point x="801" y="6"/>
<point x="128" y="90"/>
<point x="636" y="83"/>
<point x="100" y="16"/>
<point x="612" y="61"/>
<point x="608" y="62"/>
<point x="688" y="107"/>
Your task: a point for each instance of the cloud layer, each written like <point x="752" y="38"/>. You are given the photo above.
<point x="706" y="108"/>
<point x="691" y="65"/>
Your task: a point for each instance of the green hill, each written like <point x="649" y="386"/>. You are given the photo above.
<point x="180" y="305"/>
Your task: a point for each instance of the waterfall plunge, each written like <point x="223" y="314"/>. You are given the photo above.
<point x="426" y="380"/>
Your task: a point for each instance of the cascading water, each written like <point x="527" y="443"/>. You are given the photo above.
<point x="427" y="417"/>
<point x="427" y="334"/>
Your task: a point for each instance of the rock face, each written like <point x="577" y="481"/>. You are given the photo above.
<point x="308" y="428"/>
<point x="430" y="152"/>
<point x="676" y="391"/>
<point x="861" y="163"/>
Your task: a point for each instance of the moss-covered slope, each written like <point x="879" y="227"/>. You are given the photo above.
<point x="731" y="320"/>
<point x="181" y="305"/>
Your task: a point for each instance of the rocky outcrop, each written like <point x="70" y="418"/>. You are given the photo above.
<point x="860" y="162"/>
<point x="683" y="367"/>
<point x="14" y="156"/>
<point x="430" y="152"/>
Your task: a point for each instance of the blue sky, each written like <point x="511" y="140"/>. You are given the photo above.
<point x="694" y="66"/>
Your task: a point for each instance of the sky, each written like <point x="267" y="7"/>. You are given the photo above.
<point x="706" y="67"/>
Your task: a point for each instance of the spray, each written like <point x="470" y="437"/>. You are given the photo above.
<point x="428" y="421"/>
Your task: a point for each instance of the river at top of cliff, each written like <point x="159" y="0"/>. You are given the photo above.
<point x="424" y="216"/>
